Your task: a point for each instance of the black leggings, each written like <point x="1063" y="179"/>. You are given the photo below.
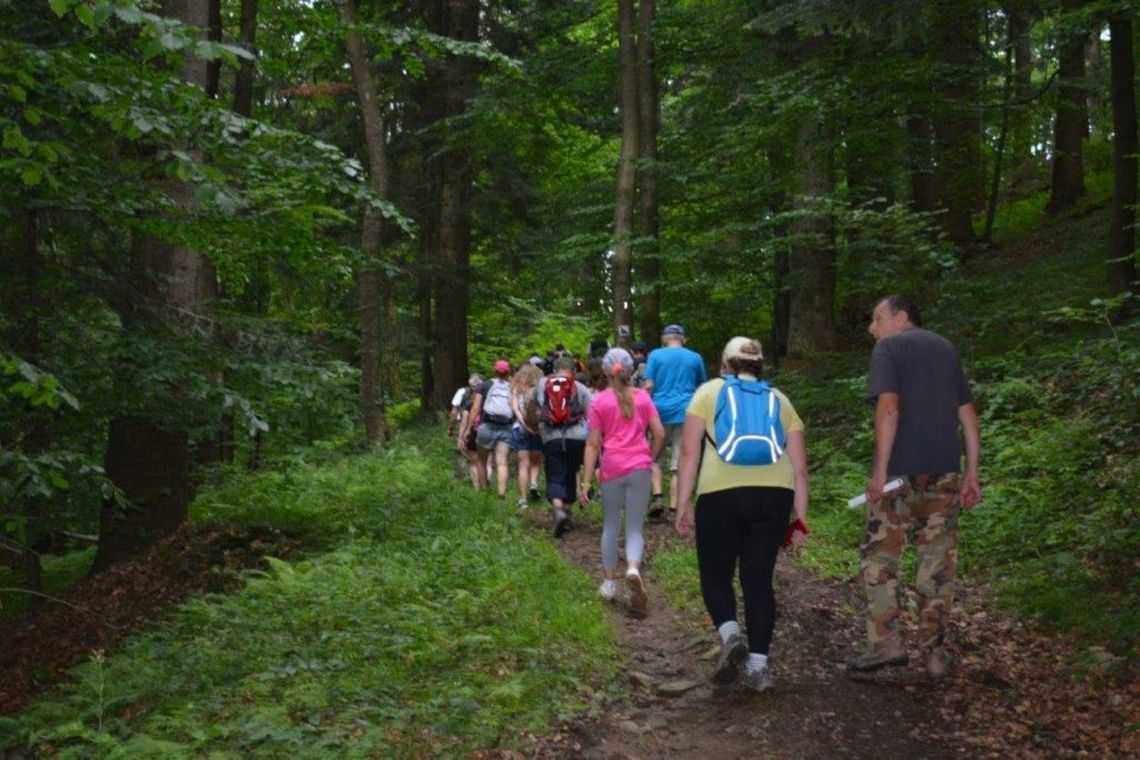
<point x="746" y="524"/>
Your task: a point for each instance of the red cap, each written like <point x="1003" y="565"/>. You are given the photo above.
<point x="502" y="366"/>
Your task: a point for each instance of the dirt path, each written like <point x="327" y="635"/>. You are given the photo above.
<point x="816" y="710"/>
<point x="1018" y="691"/>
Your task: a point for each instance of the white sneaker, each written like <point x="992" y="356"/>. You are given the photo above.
<point x="637" y="599"/>
<point x="608" y="589"/>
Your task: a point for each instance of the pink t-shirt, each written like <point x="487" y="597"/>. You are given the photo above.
<point x="625" y="448"/>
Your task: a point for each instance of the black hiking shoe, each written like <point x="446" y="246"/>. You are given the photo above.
<point x="656" y="506"/>
<point x="562" y="523"/>
<point x="533" y="494"/>
<point x="732" y="656"/>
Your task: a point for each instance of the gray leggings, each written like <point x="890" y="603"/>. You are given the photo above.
<point x="632" y="492"/>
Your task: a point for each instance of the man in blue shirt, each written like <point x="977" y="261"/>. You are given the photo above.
<point x="671" y="377"/>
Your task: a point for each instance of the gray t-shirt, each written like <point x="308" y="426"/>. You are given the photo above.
<point x="924" y="370"/>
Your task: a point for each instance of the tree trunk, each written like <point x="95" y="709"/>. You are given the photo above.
<point x="922" y="191"/>
<point x="621" y="260"/>
<point x="780" y="159"/>
<point x="811" y="267"/>
<point x="20" y="276"/>
<point x="1020" y="138"/>
<point x="649" y="110"/>
<point x="1122" y="216"/>
<point x="151" y="466"/>
<point x="1003" y="133"/>
<point x="374" y="288"/>
<point x="459" y="20"/>
<point x="148" y="461"/>
<point x="958" y="164"/>
<point x="213" y="34"/>
<point x="1094" y="72"/>
<point x="243" y="79"/>
<point x="1071" y="122"/>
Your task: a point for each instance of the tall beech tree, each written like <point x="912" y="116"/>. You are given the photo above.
<point x="150" y="461"/>
<point x="956" y="126"/>
<point x="648" y="264"/>
<point x="1121" y="262"/>
<point x="377" y="292"/>
<point x="1071" y="123"/>
<point x="811" y="262"/>
<point x="621" y="259"/>
<point x="451" y="170"/>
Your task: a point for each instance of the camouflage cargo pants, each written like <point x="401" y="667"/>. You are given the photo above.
<point x="928" y="505"/>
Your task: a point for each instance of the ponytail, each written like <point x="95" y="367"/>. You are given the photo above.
<point x="620" y="383"/>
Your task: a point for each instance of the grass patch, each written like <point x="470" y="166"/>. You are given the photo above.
<point x="430" y="623"/>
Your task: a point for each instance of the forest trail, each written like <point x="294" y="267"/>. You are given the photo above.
<point x="817" y="709"/>
<point x="1017" y="691"/>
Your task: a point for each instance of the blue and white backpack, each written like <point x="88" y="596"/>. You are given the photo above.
<point x="747" y="423"/>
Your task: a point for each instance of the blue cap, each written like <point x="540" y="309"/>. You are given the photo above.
<point x="674" y="330"/>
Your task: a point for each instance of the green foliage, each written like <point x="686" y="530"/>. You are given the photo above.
<point x="515" y="328"/>
<point x="433" y="623"/>
<point x="1056" y="387"/>
<point x="36" y="387"/>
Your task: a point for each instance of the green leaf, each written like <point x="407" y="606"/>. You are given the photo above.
<point x="60" y="7"/>
<point x="129" y="14"/>
<point x="32" y="174"/>
<point x="86" y="15"/>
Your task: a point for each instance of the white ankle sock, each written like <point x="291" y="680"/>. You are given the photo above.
<point x="756" y="661"/>
<point x="727" y="630"/>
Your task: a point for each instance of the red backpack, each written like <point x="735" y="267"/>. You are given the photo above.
<point x="561" y="406"/>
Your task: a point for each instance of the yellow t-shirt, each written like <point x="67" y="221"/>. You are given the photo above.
<point x="718" y="475"/>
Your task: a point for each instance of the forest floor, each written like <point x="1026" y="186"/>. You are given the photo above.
<point x="1015" y="692"/>
<point x="39" y="645"/>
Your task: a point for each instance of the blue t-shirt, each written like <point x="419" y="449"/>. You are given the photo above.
<point x="676" y="373"/>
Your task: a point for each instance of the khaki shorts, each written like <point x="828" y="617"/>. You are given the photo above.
<point x="673" y="446"/>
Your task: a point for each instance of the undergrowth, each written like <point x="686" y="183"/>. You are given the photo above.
<point x="429" y="624"/>
<point x="1057" y="388"/>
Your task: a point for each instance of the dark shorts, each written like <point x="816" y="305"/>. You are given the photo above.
<point x="524" y="440"/>
<point x="563" y="459"/>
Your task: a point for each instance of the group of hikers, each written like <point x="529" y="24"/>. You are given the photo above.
<point x="623" y="418"/>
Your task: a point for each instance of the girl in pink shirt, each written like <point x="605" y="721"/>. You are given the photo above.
<point x="618" y="419"/>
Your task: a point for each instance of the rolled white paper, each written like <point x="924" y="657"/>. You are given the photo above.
<point x="861" y="499"/>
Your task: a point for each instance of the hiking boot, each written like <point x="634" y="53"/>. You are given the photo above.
<point x="657" y="505"/>
<point x="609" y="589"/>
<point x="873" y="659"/>
<point x="522" y="504"/>
<point x="759" y="680"/>
<point x="732" y="656"/>
<point x="938" y="662"/>
<point x="561" y="522"/>
<point x="533" y="493"/>
<point x="637" y="599"/>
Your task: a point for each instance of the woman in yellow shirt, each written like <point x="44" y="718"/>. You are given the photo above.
<point x="741" y="516"/>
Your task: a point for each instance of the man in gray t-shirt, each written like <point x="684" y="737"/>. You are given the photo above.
<point x="921" y="398"/>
